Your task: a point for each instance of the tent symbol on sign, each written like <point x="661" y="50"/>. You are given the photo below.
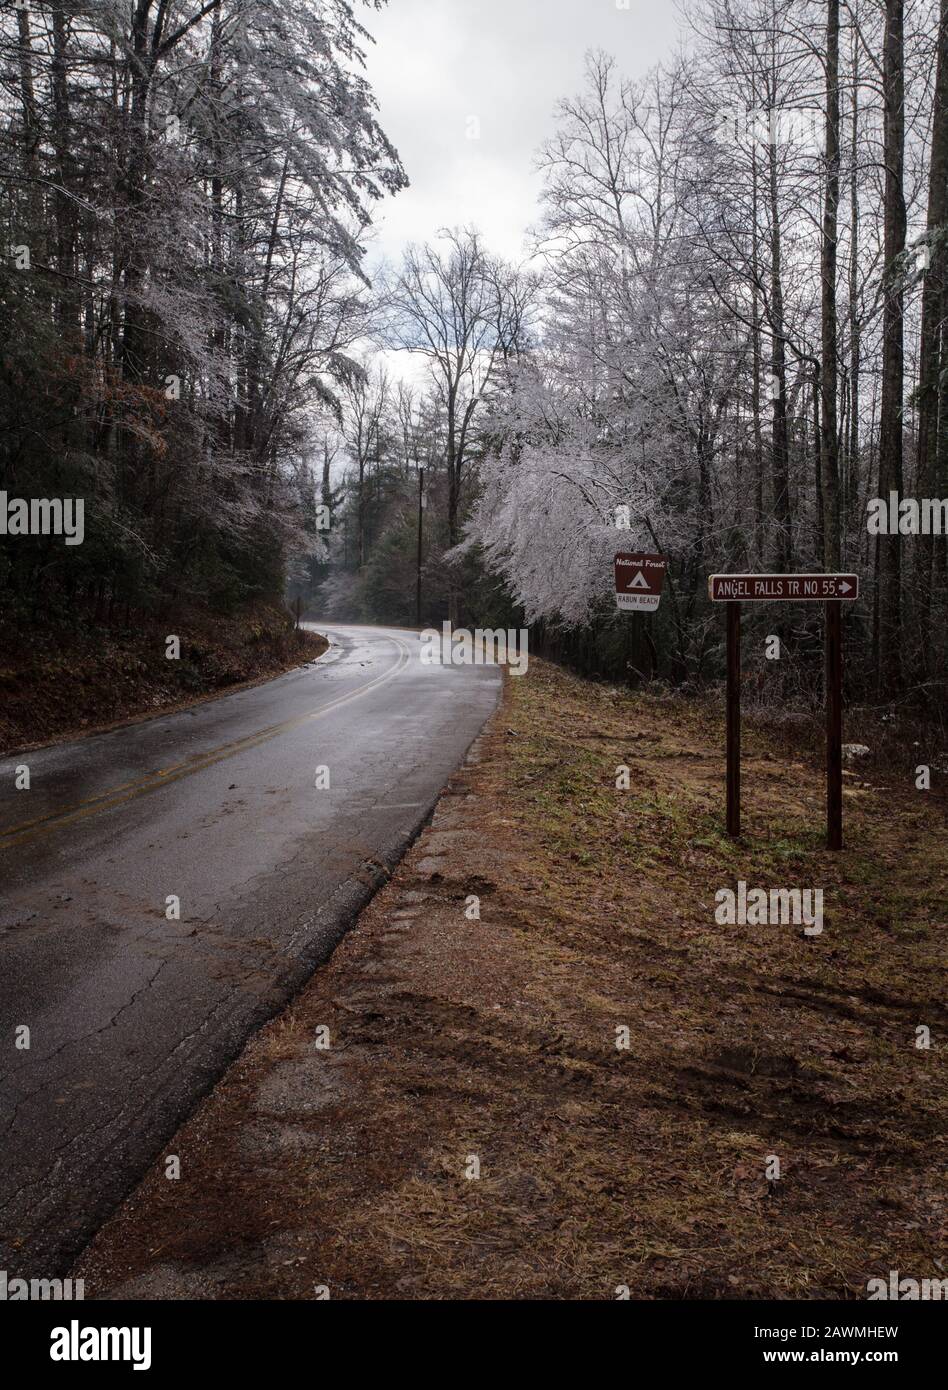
<point x="639" y="581"/>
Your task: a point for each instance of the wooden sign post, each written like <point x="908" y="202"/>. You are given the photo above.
<point x="831" y="590"/>
<point x="734" y="719"/>
<point x="834" y="725"/>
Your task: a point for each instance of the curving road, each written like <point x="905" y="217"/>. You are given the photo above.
<point x="133" y="1014"/>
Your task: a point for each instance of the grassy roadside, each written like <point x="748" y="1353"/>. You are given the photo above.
<point x="455" y="1039"/>
<point x="69" y="680"/>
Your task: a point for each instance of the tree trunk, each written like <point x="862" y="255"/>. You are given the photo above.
<point x="851" y="500"/>
<point x="780" y="462"/>
<point x="829" y="448"/>
<point x="932" y="329"/>
<point x="757" y="346"/>
<point x="890" y="424"/>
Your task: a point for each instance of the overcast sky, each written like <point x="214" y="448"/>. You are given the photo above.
<point x="438" y="63"/>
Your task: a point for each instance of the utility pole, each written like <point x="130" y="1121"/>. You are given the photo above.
<point x="421" y="508"/>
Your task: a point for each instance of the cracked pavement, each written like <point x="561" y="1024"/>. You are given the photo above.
<point x="133" y="1016"/>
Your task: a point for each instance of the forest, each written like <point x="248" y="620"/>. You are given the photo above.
<point x="725" y="341"/>
<point x="184" y="191"/>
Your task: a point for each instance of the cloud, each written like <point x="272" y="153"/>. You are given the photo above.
<point x="437" y="64"/>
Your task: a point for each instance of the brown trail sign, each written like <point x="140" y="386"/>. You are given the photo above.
<point x="831" y="589"/>
<point x="789" y="588"/>
<point x="639" y="580"/>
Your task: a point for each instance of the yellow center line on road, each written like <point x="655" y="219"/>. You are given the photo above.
<point x="128" y="791"/>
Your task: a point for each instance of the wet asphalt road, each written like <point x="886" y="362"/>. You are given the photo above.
<point x="133" y="1014"/>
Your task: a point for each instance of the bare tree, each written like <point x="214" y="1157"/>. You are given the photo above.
<point x="366" y="404"/>
<point x="933" y="343"/>
<point x="829" y="444"/>
<point x="463" y="311"/>
<point x="891" y="416"/>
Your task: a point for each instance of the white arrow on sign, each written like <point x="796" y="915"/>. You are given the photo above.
<point x="844" y="588"/>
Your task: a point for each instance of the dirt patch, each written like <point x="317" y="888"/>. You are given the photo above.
<point x="69" y="681"/>
<point x="587" y="1085"/>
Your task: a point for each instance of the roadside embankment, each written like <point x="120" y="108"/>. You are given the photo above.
<point x="66" y="681"/>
